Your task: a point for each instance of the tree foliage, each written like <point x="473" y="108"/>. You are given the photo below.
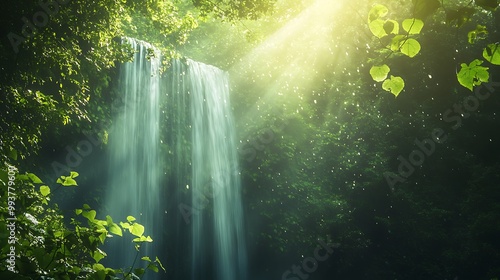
<point x="392" y="43"/>
<point x="40" y="242"/>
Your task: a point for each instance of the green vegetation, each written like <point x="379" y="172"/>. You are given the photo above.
<point x="313" y="91"/>
<point x="39" y="243"/>
<point x="393" y="43"/>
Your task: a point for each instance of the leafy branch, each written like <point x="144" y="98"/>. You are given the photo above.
<point x="388" y="33"/>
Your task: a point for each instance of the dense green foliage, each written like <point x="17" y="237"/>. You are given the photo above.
<point x="322" y="141"/>
<point x="39" y="243"/>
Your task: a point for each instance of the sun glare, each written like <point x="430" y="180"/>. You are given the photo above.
<point x="290" y="59"/>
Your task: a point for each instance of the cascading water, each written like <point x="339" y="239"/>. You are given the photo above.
<point x="215" y="175"/>
<point x="202" y="164"/>
<point x="134" y="164"/>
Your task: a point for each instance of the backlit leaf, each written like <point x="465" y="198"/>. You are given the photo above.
<point x="410" y="47"/>
<point x="379" y="73"/>
<point x="377" y="28"/>
<point x="130" y="219"/>
<point x="98" y="255"/>
<point x="376" y="12"/>
<point x="473" y="74"/>
<point x="143" y="239"/>
<point x="34" y="178"/>
<point x="90" y="215"/>
<point x="125" y="225"/>
<point x="492" y="53"/>
<point x="413" y="25"/>
<point x="115" y="229"/>
<point x="394" y="85"/>
<point x="68" y="182"/>
<point x="44" y="190"/>
<point x="137" y="229"/>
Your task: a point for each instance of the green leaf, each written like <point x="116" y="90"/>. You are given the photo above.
<point x="109" y="220"/>
<point x="90" y="215"/>
<point x="130" y="219"/>
<point x="396" y="42"/>
<point x="477" y="34"/>
<point x="473" y="74"/>
<point x="22" y="177"/>
<point x="137" y="229"/>
<point x="68" y="182"/>
<point x="394" y="85"/>
<point x="98" y="255"/>
<point x="45" y="190"/>
<point x="410" y="47"/>
<point x="100" y="272"/>
<point x="78" y="211"/>
<point x="153" y="267"/>
<point x="159" y="263"/>
<point x="492" y="53"/>
<point x="413" y="25"/>
<point x="102" y="236"/>
<point x="139" y="271"/>
<point x="125" y="225"/>
<point x="377" y="28"/>
<point x="376" y="12"/>
<point x="73" y="174"/>
<point x="115" y="229"/>
<point x="34" y="179"/>
<point x="379" y="73"/>
<point x="143" y="239"/>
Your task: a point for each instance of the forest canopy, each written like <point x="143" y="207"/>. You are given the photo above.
<point x="371" y="124"/>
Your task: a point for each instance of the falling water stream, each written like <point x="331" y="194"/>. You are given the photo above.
<point x="215" y="174"/>
<point x="200" y="134"/>
<point x="134" y="159"/>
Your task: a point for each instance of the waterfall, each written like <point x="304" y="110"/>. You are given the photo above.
<point x="165" y="151"/>
<point x="134" y="158"/>
<point x="216" y="182"/>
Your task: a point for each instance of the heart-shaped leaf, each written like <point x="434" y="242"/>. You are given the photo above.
<point x="413" y="25"/>
<point x="44" y="190"/>
<point x="379" y="73"/>
<point x="410" y="47"/>
<point x="137" y="229"/>
<point x="394" y="85"/>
